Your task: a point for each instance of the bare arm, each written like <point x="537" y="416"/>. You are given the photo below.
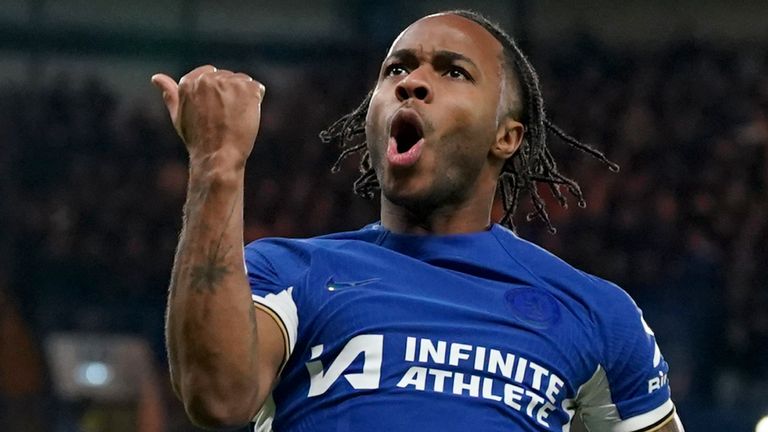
<point x="674" y="425"/>
<point x="223" y="353"/>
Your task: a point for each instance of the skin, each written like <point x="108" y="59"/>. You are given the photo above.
<point x="225" y="354"/>
<point x="450" y="189"/>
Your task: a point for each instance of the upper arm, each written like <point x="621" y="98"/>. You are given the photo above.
<point x="673" y="425"/>
<point x="270" y="353"/>
<point x="276" y="313"/>
<point x="629" y="390"/>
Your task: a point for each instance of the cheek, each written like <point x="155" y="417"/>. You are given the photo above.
<point x="374" y="126"/>
<point x="469" y="135"/>
<point x="465" y="145"/>
<point x="371" y="116"/>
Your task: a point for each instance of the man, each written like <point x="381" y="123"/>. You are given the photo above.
<point x="432" y="319"/>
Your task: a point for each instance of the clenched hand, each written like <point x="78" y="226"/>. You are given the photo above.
<point x="215" y="112"/>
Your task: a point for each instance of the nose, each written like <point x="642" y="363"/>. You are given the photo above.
<point x="413" y="87"/>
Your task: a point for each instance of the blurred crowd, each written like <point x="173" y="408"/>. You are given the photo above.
<point x="95" y="186"/>
<point x="683" y="226"/>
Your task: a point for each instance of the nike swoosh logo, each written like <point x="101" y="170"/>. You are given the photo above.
<point x="338" y="286"/>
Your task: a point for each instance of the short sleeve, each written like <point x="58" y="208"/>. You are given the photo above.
<point x="629" y="391"/>
<point x="271" y="293"/>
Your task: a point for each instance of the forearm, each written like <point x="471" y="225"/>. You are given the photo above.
<point x="211" y="327"/>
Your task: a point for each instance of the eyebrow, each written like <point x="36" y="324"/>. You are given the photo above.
<point x="442" y="56"/>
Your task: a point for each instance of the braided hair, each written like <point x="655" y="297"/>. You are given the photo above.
<point x="531" y="165"/>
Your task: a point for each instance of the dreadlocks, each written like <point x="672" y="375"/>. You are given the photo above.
<point x="531" y="165"/>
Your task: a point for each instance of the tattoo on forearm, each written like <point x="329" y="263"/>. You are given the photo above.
<point x="196" y="196"/>
<point x="206" y="276"/>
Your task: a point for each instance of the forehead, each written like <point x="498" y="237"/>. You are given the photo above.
<point x="450" y="33"/>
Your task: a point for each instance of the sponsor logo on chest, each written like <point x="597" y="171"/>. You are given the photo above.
<point x="442" y="367"/>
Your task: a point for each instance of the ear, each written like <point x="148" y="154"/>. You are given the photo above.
<point x="509" y="136"/>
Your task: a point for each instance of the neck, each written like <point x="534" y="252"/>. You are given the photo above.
<point x="467" y="217"/>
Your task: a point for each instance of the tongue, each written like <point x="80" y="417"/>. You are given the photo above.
<point x="404" y="159"/>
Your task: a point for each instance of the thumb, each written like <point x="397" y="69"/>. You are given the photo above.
<point x="170" y="90"/>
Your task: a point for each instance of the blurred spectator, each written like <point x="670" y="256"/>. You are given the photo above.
<point x="22" y="378"/>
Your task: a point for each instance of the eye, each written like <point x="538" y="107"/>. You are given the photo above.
<point x="395" y="69"/>
<point x="456" y="72"/>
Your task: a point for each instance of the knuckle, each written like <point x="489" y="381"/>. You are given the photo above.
<point x="184" y="86"/>
<point x="254" y="87"/>
<point x="207" y="79"/>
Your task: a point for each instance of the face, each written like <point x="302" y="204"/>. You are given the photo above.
<point x="432" y="120"/>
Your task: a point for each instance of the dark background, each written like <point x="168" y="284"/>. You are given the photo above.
<point x="93" y="178"/>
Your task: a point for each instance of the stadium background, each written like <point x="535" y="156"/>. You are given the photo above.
<point x="92" y="177"/>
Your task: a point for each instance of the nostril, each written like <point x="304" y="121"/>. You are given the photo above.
<point x="402" y="93"/>
<point x="420" y="93"/>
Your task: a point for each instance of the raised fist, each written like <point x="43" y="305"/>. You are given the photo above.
<point x="214" y="111"/>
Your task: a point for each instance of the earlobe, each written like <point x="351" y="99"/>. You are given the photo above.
<point x="509" y="136"/>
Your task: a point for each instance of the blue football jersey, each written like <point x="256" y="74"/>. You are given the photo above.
<point x="481" y="331"/>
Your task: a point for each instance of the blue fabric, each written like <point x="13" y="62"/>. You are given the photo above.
<point x="481" y="331"/>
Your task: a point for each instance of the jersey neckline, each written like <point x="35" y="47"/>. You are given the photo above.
<point x="428" y="244"/>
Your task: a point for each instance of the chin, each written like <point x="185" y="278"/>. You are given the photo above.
<point x="403" y="197"/>
<point x="406" y="195"/>
<point x="416" y="197"/>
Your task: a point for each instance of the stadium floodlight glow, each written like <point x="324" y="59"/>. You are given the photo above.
<point x="762" y="425"/>
<point x="94" y="374"/>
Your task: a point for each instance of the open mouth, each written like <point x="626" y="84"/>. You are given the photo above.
<point x="406" y="130"/>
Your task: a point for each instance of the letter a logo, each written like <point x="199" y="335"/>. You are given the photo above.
<point x="320" y="380"/>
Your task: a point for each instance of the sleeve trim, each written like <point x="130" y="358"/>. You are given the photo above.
<point x="285" y="313"/>
<point x="649" y="422"/>
<point x="283" y="330"/>
<point x="598" y="411"/>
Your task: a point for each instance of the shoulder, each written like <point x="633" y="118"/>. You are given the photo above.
<point x="628" y="389"/>
<point x="553" y="271"/>
<point x="606" y="310"/>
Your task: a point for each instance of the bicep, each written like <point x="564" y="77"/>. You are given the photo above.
<point x="673" y="425"/>
<point x="271" y="352"/>
<point x="629" y="390"/>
